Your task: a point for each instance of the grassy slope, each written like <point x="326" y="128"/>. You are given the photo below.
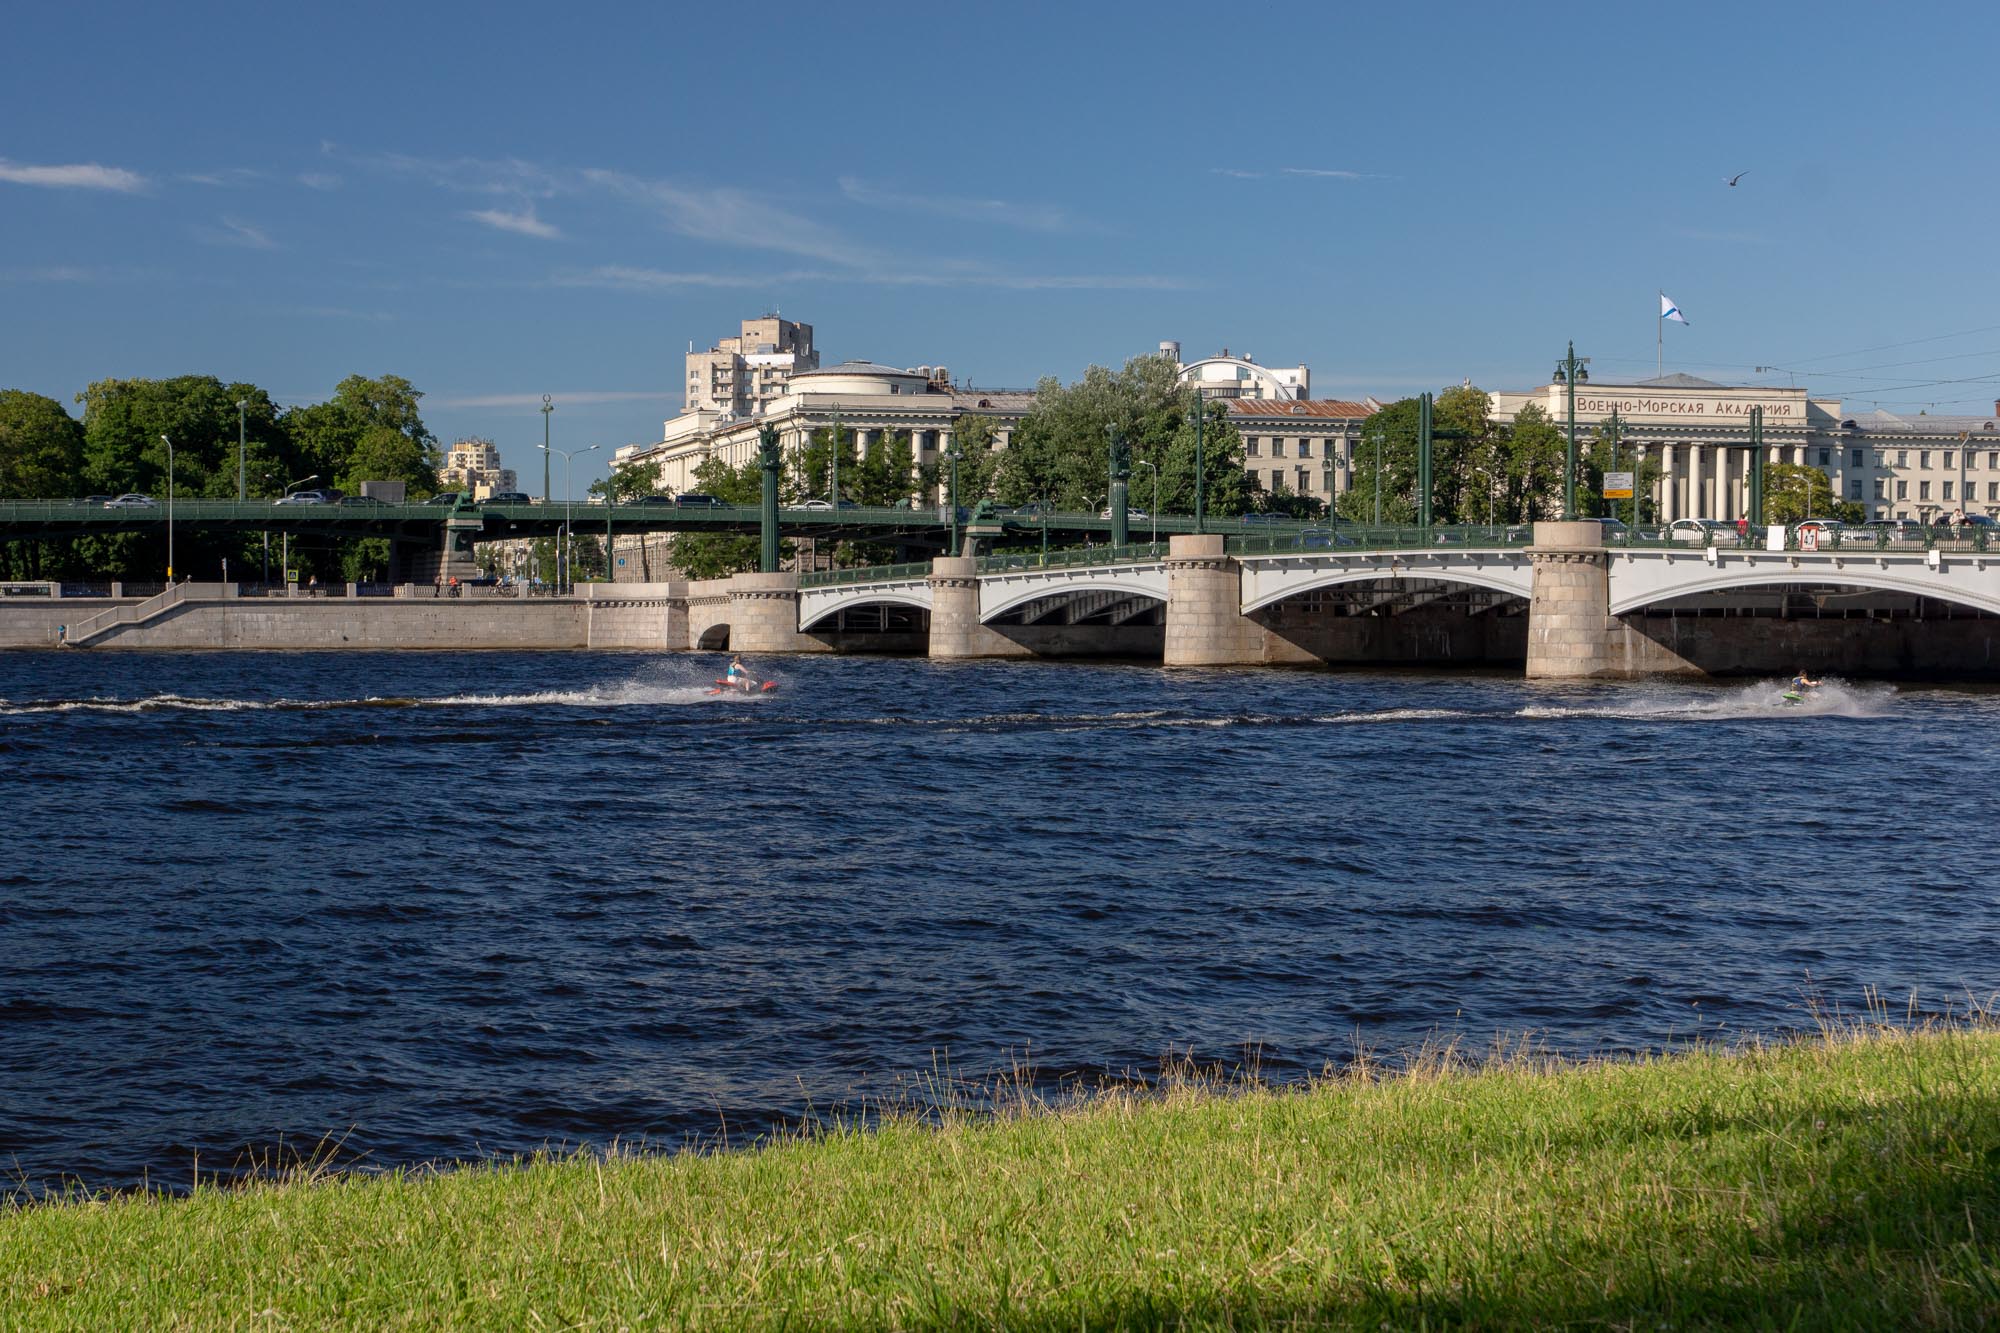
<point x="1849" y="1183"/>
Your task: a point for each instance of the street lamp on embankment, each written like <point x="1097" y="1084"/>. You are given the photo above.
<point x="569" y="513"/>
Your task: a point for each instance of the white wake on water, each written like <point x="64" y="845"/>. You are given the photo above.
<point x="1755" y="700"/>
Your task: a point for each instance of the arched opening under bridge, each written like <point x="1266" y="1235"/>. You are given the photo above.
<point x="1424" y="621"/>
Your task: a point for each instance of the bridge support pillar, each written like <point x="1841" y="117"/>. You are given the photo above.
<point x="1570" y="631"/>
<point x="1205" y="621"/>
<point x="764" y="615"/>
<point x="956" y="631"/>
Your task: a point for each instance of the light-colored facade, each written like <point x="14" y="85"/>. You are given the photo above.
<point x="1924" y="466"/>
<point x="474" y="466"/>
<point x="742" y="376"/>
<point x="1302" y="446"/>
<point x="1229" y="376"/>
<point x="868" y="399"/>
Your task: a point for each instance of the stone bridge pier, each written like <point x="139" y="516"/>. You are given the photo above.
<point x="956" y="630"/>
<point x="764" y="615"/>
<point x="1205" y="621"/>
<point x="1570" y="630"/>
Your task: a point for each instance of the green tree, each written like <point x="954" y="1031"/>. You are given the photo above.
<point x="1382" y="483"/>
<point x="1595" y="458"/>
<point x="1794" y="492"/>
<point x="978" y="462"/>
<point x="702" y="556"/>
<point x="41" y="447"/>
<point x="1536" y="451"/>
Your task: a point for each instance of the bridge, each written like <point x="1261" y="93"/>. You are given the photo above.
<point x="1555" y="597"/>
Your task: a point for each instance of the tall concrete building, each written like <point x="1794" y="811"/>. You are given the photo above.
<point x="741" y="376"/>
<point x="474" y="465"/>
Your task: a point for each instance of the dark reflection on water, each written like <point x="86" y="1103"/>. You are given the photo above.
<point x="449" y="905"/>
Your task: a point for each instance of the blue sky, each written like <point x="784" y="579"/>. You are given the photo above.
<point x="499" y="201"/>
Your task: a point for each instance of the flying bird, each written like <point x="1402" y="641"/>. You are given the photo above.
<point x="1737" y="177"/>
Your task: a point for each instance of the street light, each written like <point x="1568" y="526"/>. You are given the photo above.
<point x="285" y="545"/>
<point x="242" y="465"/>
<point x="1155" y="511"/>
<point x="952" y="455"/>
<point x="1489" y="493"/>
<point x="569" y="510"/>
<point x="1569" y="372"/>
<point x="548" y="406"/>
<point x="170" y="508"/>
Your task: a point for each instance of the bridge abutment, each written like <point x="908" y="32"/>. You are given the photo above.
<point x="956" y="631"/>
<point x="1205" y="621"/>
<point x="1570" y="630"/>
<point x="764" y="615"/>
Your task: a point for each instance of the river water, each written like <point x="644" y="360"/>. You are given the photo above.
<point x="451" y="906"/>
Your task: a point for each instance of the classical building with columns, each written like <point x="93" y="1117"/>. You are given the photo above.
<point x="1699" y="433"/>
<point x="869" y="400"/>
<point x="1894" y="466"/>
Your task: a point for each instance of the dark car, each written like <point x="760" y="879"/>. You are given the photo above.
<point x="688" y="500"/>
<point x="360" y="502"/>
<point x="509" y="498"/>
<point x="651" y="500"/>
<point x="445" y="498"/>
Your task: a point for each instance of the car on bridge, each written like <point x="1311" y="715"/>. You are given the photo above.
<point x="509" y="498"/>
<point x="305" y="498"/>
<point x="361" y="502"/>
<point x="131" y="500"/>
<point x="691" y="500"/>
<point x="651" y="500"/>
<point x="442" y="498"/>
<point x="1129" y="513"/>
<point x="1702" y="532"/>
<point x="813" y="504"/>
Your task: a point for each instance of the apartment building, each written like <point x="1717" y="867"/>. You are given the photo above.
<point x="1301" y="446"/>
<point x="474" y="466"/>
<point x="744" y="375"/>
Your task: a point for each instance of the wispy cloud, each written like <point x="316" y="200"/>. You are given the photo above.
<point x="73" y="176"/>
<point x="1236" y="173"/>
<point x="1330" y="173"/>
<point x="729" y="216"/>
<point x="319" y="180"/>
<point x="235" y="232"/>
<point x="343" y="312"/>
<point x="999" y="212"/>
<point x="53" y="273"/>
<point x="633" y="279"/>
<point x="523" y="223"/>
<point x="226" y="178"/>
<point x="571" y="399"/>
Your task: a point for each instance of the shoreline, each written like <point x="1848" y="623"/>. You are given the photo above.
<point x="1848" y="1178"/>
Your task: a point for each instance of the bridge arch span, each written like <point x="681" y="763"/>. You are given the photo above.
<point x="821" y="610"/>
<point x="1916" y="582"/>
<point x="1271" y="591"/>
<point x="1016" y="598"/>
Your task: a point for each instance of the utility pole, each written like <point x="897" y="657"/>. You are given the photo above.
<point x="1200" y="461"/>
<point x="834" y="454"/>
<point x="1569" y="370"/>
<point x="242" y="475"/>
<point x="548" y="406"/>
<point x="1424" y="405"/>
<point x="1378" y="476"/>
<point x="1756" y="466"/>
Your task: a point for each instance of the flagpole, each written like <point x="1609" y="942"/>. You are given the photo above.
<point x="1660" y="339"/>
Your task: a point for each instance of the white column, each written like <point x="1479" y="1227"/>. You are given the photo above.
<point x="1663" y="509"/>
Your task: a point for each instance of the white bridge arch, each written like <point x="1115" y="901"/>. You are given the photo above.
<point x="1272" y="578"/>
<point x="825" y="601"/>
<point x="1010" y="590"/>
<point x="1644" y="578"/>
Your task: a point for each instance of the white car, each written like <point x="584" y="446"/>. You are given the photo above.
<point x="813" y="504"/>
<point x="1702" y="532"/>
<point x="132" y="500"/>
<point x="1129" y="513"/>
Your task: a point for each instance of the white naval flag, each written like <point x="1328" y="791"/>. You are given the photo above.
<point x="1668" y="310"/>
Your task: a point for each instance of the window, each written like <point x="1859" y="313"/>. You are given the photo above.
<point x="1947" y="490"/>
<point x="1825" y="457"/>
<point x="1993" y="490"/>
<point x="1993" y="460"/>
<point x="1250" y="445"/>
<point x="1902" y="458"/>
<point x="1854" y="457"/>
<point x="1923" y="490"/>
<point x="1923" y="458"/>
<point x="1304" y="482"/>
<point x="1305" y="448"/>
<point x="1854" y="490"/>
<point x="1277" y="446"/>
<point x="1277" y="479"/>
<point x="1950" y="459"/>
<point x="1878" y="458"/>
<point x="1902" y="490"/>
<point x="1881" y="489"/>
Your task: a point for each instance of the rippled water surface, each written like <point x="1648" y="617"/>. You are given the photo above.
<point x="440" y="906"/>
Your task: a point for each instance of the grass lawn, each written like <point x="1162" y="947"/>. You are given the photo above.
<point x="1849" y="1182"/>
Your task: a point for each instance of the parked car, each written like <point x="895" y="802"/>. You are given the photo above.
<point x="1702" y="532"/>
<point x="813" y="504"/>
<point x="1129" y="513"/>
<point x="692" y="500"/>
<point x="1614" y="529"/>
<point x="361" y="502"/>
<point x="93" y="501"/>
<point x="1262" y="520"/>
<point x="131" y="500"/>
<point x="651" y="500"/>
<point x="305" y="498"/>
<point x="509" y="498"/>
